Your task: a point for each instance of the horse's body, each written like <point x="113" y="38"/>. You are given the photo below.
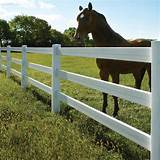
<point x="90" y="21"/>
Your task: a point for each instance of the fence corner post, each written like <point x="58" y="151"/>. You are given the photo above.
<point x="155" y="111"/>
<point x="24" y="78"/>
<point x="55" y="79"/>
<point x="8" y="60"/>
<point x="0" y="59"/>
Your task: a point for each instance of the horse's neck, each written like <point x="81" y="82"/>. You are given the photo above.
<point x="105" y="36"/>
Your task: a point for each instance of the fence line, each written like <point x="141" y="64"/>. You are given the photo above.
<point x="138" y="54"/>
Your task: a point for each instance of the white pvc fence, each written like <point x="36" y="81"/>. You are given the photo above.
<point x="138" y="54"/>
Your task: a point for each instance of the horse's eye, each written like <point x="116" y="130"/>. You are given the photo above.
<point x="81" y="16"/>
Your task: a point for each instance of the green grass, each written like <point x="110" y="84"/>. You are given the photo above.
<point x="32" y="115"/>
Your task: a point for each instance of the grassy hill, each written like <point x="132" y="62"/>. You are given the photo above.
<point x="30" y="131"/>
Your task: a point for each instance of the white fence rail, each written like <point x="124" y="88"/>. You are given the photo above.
<point x="138" y="54"/>
<point x="127" y="93"/>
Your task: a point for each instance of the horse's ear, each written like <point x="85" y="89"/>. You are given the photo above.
<point x="80" y="8"/>
<point x="90" y="6"/>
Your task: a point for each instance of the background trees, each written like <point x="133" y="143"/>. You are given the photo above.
<point x="5" y="34"/>
<point x="59" y="38"/>
<point x="70" y="32"/>
<point x="32" y="31"/>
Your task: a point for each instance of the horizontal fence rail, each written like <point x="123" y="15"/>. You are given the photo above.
<point x="127" y="93"/>
<point x="40" y="85"/>
<point x="135" y="54"/>
<point x="40" y="50"/>
<point x="16" y="49"/>
<point x="18" y="74"/>
<point x="40" y="68"/>
<point x="3" y="48"/>
<point x="16" y="61"/>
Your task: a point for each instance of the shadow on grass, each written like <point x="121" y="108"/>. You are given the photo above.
<point x="15" y="79"/>
<point x="37" y="93"/>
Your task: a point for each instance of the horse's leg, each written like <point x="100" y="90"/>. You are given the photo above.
<point x="149" y="74"/>
<point x="138" y="75"/>
<point x="104" y="76"/>
<point x="115" y="79"/>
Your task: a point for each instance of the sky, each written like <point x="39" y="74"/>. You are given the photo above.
<point x="130" y="18"/>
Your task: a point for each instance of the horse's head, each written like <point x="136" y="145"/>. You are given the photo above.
<point x="85" y="22"/>
<point x="88" y="21"/>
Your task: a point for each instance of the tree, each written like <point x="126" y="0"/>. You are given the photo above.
<point x="4" y="32"/>
<point x="56" y="37"/>
<point x="67" y="41"/>
<point x="30" y="30"/>
<point x="59" y="38"/>
<point x="70" y="32"/>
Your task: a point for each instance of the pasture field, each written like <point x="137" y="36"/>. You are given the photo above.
<point x="28" y="129"/>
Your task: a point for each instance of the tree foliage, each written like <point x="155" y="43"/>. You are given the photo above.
<point x="30" y="30"/>
<point x="4" y="32"/>
<point x="70" y="32"/>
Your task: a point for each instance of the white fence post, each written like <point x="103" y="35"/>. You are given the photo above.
<point x="155" y="111"/>
<point x="24" y="78"/>
<point x="8" y="61"/>
<point x="55" y="79"/>
<point x="0" y="59"/>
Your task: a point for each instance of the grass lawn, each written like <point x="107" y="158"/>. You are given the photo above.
<point x="30" y="130"/>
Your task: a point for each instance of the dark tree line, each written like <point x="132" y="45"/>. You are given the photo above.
<point x="35" y="32"/>
<point x="5" y="34"/>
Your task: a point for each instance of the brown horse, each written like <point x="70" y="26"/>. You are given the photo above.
<point x="90" y="21"/>
<point x="143" y="43"/>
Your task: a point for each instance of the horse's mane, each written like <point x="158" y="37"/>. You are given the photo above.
<point x="103" y="19"/>
<point x="102" y="16"/>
